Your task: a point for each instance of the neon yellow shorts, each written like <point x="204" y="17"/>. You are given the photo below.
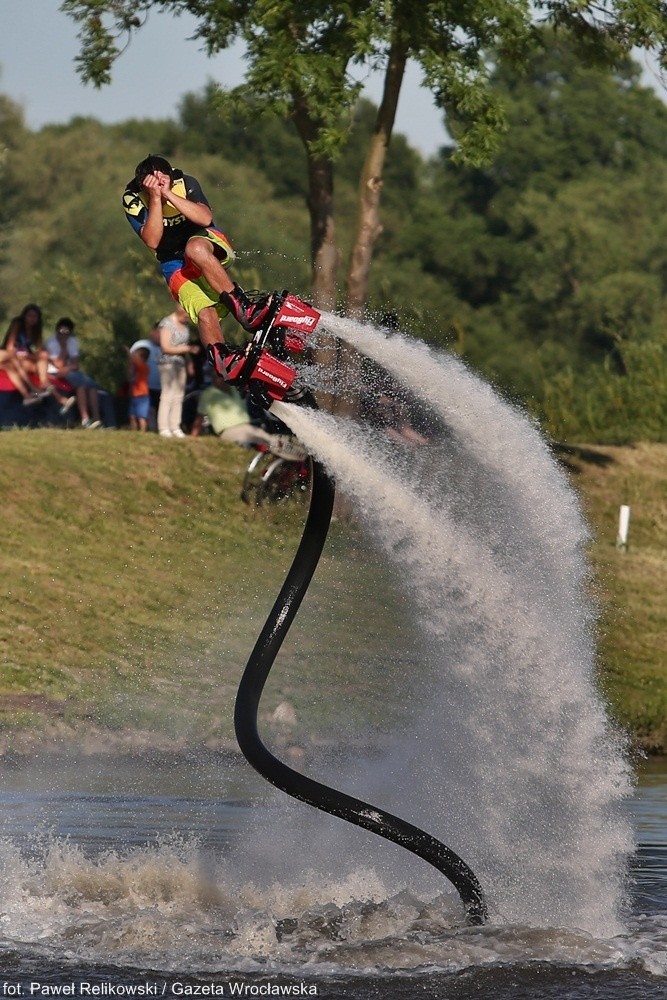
<point x="189" y="286"/>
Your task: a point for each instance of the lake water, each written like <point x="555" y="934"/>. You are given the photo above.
<point x="120" y="877"/>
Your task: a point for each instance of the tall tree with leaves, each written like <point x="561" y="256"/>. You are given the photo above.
<point x="555" y="256"/>
<point x="301" y="57"/>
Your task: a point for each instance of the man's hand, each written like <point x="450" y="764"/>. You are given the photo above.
<point x="152" y="229"/>
<point x="159" y="190"/>
<point x="158" y="184"/>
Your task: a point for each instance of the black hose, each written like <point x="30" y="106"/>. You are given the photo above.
<point x="298" y="785"/>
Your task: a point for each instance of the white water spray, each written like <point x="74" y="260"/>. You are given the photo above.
<point x="517" y="769"/>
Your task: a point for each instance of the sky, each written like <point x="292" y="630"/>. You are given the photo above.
<point x="161" y="65"/>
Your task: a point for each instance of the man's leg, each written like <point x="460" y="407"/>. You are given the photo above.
<point x="93" y="401"/>
<point x="82" y="402"/>
<point x="210" y="331"/>
<point x="210" y="334"/>
<point x="201" y="252"/>
<point x="199" y="299"/>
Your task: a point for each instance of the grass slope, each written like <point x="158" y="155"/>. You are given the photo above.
<point x="631" y="583"/>
<point x="136" y="582"/>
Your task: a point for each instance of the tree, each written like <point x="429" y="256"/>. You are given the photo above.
<point x="548" y="281"/>
<point x="554" y="253"/>
<point x="300" y="58"/>
<point x="297" y="57"/>
<point x="12" y="132"/>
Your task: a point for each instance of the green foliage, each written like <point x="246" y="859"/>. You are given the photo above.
<point x="12" y="134"/>
<point x="272" y="146"/>
<point x="299" y="61"/>
<point x="300" y="56"/>
<point x="68" y="246"/>
<point x="555" y="252"/>
<point x="599" y="404"/>
<point x="545" y="269"/>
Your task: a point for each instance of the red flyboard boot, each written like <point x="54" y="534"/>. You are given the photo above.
<point x="269" y="375"/>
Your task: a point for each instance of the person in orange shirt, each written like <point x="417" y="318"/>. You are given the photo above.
<point x="140" y="399"/>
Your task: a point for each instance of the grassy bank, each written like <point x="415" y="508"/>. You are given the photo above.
<point x="136" y="582"/>
<point x="631" y="584"/>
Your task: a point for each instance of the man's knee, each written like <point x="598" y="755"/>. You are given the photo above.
<point x="198" y="249"/>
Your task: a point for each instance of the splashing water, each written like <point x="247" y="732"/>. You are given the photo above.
<point x="511" y="760"/>
<point x="517" y="768"/>
<point x="177" y="909"/>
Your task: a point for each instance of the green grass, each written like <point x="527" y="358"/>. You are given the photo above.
<point x="630" y="583"/>
<point x="136" y="582"/>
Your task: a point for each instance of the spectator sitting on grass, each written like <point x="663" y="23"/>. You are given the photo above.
<point x="63" y="354"/>
<point x="16" y="374"/>
<point x="23" y="341"/>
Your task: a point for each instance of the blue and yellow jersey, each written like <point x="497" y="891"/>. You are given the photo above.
<point x="177" y="230"/>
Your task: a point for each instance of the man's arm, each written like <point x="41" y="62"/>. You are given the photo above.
<point x="195" y="211"/>
<point x="73" y="354"/>
<point x="152" y="229"/>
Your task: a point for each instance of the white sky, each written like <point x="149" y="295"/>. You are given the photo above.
<point x="38" y="45"/>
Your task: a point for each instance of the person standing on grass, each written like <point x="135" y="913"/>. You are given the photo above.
<point x="170" y="213"/>
<point x="140" y="400"/>
<point x="175" y="365"/>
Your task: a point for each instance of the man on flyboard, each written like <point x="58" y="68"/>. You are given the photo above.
<point x="171" y="214"/>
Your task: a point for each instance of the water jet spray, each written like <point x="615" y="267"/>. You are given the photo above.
<point x="270" y="339"/>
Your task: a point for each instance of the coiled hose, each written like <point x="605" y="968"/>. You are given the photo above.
<point x="298" y="785"/>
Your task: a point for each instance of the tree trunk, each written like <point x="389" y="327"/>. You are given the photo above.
<point x="325" y="260"/>
<point x="370" y="186"/>
<point x="368" y="220"/>
<point x="324" y="254"/>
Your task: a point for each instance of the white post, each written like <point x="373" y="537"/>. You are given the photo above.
<point x="623" y="527"/>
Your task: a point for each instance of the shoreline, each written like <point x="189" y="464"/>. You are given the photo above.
<point x="93" y="741"/>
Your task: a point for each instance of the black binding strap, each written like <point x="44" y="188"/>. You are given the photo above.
<point x="298" y="785"/>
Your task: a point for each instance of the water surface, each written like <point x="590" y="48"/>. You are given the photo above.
<point x="120" y="871"/>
